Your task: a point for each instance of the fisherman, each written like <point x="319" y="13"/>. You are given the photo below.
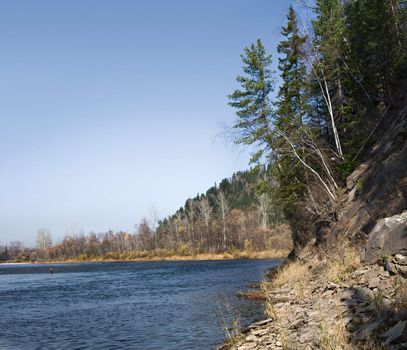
<point x="51" y="269"/>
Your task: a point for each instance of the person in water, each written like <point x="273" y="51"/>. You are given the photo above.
<point x="51" y="269"/>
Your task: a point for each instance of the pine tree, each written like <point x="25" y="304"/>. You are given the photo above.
<point x="291" y="105"/>
<point x="290" y="113"/>
<point x="252" y="101"/>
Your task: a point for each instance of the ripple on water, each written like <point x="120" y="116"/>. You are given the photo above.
<point x="140" y="305"/>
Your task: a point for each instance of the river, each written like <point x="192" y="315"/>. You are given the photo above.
<point x="125" y="305"/>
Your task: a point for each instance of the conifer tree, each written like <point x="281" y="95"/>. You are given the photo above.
<point x="252" y="100"/>
<point x="290" y="112"/>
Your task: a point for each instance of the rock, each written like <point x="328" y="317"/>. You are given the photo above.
<point x="251" y="338"/>
<point x="390" y="267"/>
<point x="351" y="302"/>
<point x="359" y="272"/>
<point x="400" y="259"/>
<point x="395" y="332"/>
<point x="364" y="294"/>
<point x="388" y="237"/>
<point x="346" y="320"/>
<point x="353" y="194"/>
<point x="366" y="331"/>
<point x="374" y="282"/>
<point x="259" y="332"/>
<point x="402" y="270"/>
<point x="385" y="274"/>
<point x="353" y="178"/>
<point x="262" y="323"/>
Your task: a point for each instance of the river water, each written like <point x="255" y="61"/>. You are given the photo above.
<point x="130" y="305"/>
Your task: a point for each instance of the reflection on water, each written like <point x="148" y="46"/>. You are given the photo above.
<point x="136" y="305"/>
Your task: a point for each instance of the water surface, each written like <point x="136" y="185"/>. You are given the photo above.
<point x="132" y="305"/>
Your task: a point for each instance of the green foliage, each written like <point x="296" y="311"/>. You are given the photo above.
<point x="252" y="101"/>
<point x="291" y="109"/>
<point x="336" y="85"/>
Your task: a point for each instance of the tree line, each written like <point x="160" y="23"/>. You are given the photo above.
<point x="235" y="215"/>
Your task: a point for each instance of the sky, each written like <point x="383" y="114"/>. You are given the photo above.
<point x="108" y="108"/>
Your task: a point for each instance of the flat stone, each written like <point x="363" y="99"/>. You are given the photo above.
<point x="400" y="259"/>
<point x="353" y="194"/>
<point x="346" y="320"/>
<point x="364" y="332"/>
<point x="251" y="338"/>
<point x="402" y="270"/>
<point x="394" y="332"/>
<point x="351" y="302"/>
<point x="390" y="267"/>
<point x="279" y="305"/>
<point x="359" y="272"/>
<point x="374" y="282"/>
<point x="364" y="294"/>
<point x="259" y="332"/>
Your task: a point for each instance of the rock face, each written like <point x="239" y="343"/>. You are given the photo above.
<point x="378" y="187"/>
<point x="388" y="237"/>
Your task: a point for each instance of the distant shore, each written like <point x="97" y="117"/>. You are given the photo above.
<point x="269" y="254"/>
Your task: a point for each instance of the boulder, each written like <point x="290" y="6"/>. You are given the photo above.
<point x="388" y="237"/>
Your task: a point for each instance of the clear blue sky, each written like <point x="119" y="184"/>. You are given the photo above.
<point x="110" y="107"/>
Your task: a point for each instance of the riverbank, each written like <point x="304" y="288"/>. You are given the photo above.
<point x="268" y="254"/>
<point x="332" y="299"/>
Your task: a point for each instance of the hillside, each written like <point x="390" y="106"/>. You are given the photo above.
<point x="236" y="214"/>
<point x="234" y="219"/>
<point x="337" y="137"/>
<point x="348" y="290"/>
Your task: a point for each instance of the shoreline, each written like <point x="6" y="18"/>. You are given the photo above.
<point x="199" y="257"/>
<point x="326" y="300"/>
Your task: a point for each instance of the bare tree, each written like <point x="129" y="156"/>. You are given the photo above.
<point x="224" y="210"/>
<point x="154" y="223"/>
<point x="44" y="241"/>
<point x="264" y="207"/>
<point x="205" y="211"/>
<point x="16" y="248"/>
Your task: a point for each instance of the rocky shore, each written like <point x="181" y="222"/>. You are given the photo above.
<point x="345" y="303"/>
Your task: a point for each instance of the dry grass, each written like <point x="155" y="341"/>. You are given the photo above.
<point x="341" y="261"/>
<point x="229" y="321"/>
<point x="171" y="256"/>
<point x="334" y="338"/>
<point x="294" y="272"/>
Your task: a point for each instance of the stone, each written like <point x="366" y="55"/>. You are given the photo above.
<point x="251" y="338"/>
<point x="395" y="332"/>
<point x="364" y="294"/>
<point x="365" y="331"/>
<point x="260" y="332"/>
<point x="359" y="272"/>
<point x="353" y="194"/>
<point x="400" y="259"/>
<point x="353" y="178"/>
<point x="374" y="282"/>
<point x="389" y="266"/>
<point x="351" y="302"/>
<point x="388" y="237"/>
<point x="402" y="270"/>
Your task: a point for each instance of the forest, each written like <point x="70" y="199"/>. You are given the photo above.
<point x="342" y="73"/>
<point x="234" y="216"/>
